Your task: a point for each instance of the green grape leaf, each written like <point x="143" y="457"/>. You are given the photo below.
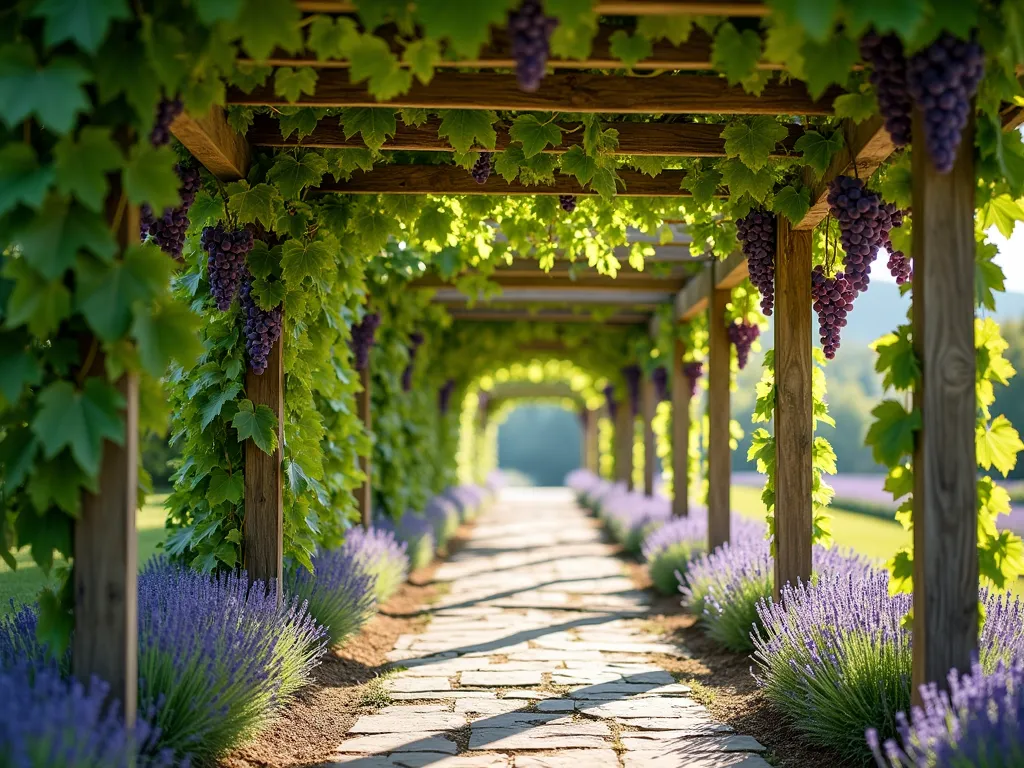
<point x="253" y="204"/>
<point x="534" y="135"/>
<point x="885" y="16"/>
<point x="263" y="261"/>
<point x="268" y="24"/>
<point x="508" y="163"/>
<point x="579" y="164"/>
<point x="631" y="49"/>
<point x="22" y="179"/>
<point x="37" y="303"/>
<point x="104" y="294"/>
<point x="466" y="24"/>
<point x="268" y="293"/>
<point x="331" y="38"/>
<point x="817" y="150"/>
<point x="373" y="124"/>
<point x="256" y="423"/>
<point x="792" y="202"/>
<point x="292" y="83"/>
<point x="651" y="165"/>
<point x="816" y="16"/>
<point x="85" y="24"/>
<point x="79" y="420"/>
<point x="753" y="140"/>
<point x="897" y="361"/>
<point x="420" y="56"/>
<point x="891" y="435"/>
<point x="702" y="184"/>
<point x="675" y="29"/>
<point x="292" y="175"/>
<point x="742" y="180"/>
<point x="82" y="165"/>
<point x="900" y="481"/>
<point x="1003" y="213"/>
<point x="828" y="62"/>
<point x="58" y="482"/>
<point x="371" y="59"/>
<point x="299" y="261"/>
<point x="414" y="116"/>
<point x="149" y="176"/>
<point x="998" y="444"/>
<point x="224" y="487"/>
<point x="53" y="94"/>
<point x="20" y="368"/>
<point x="902" y="569"/>
<point x="212" y="11"/>
<point x="468" y="128"/>
<point x="166" y="330"/>
<point x="52" y="239"/>
<point x="735" y="54"/>
<point x="577" y="25"/>
<point x="605" y="181"/>
<point x="215" y="404"/>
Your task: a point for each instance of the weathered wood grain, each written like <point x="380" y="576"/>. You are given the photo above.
<point x="214" y="143"/>
<point x="624" y="445"/>
<point x="365" y="412"/>
<point x="680" y="434"/>
<point x="753" y="8"/>
<point x="649" y="404"/>
<point x="719" y="458"/>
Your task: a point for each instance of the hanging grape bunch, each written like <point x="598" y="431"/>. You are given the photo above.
<point x="168" y="232"/>
<point x="166" y="111"/>
<point x="609" y="399"/>
<point x="362" y="339"/>
<point x="568" y="203"/>
<point x="262" y="326"/>
<point x="693" y="371"/>
<point x="659" y="377"/>
<point x="899" y="263"/>
<point x="756" y="233"/>
<point x="742" y="334"/>
<point x="530" y="31"/>
<point x="415" y="340"/>
<point x="833" y="299"/>
<point x="226" y="260"/>
<point x="482" y="168"/>
<point x="444" y="396"/>
<point x="864" y="224"/>
<point x="942" y="80"/>
<point x="631" y="374"/>
<point x="889" y="77"/>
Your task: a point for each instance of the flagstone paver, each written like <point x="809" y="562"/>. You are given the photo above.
<point x="536" y="658"/>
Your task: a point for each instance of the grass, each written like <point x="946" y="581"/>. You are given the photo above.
<point x="22" y="585"/>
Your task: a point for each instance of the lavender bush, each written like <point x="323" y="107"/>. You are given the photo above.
<point x="417" y="533"/>
<point x="339" y="593"/>
<point x="379" y="554"/>
<point x="218" y="658"/>
<point x="443" y="515"/>
<point x="19" y="643"/>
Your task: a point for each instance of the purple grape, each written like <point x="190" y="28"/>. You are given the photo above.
<point x="226" y="261"/>
<point x="833" y="298"/>
<point x="530" y="31"/>
<point x="482" y="168"/>
<point x="362" y="339"/>
<point x="609" y="398"/>
<point x="568" y="203"/>
<point x="262" y="327"/>
<point x="889" y="77"/>
<point x="899" y="262"/>
<point x="864" y="224"/>
<point x="168" y="231"/>
<point x="742" y="334"/>
<point x="693" y="371"/>
<point x="415" y="340"/>
<point x="166" y="111"/>
<point x="942" y="79"/>
<point x="444" y="396"/>
<point x="631" y="374"/>
<point x="659" y="377"/>
<point x="756" y="233"/>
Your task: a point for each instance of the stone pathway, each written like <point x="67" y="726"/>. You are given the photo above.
<point x="535" y="658"/>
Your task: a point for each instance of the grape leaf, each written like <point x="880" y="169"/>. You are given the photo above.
<point x="373" y="124"/>
<point x="268" y="24"/>
<point x="35" y="302"/>
<point x="83" y="23"/>
<point x="817" y="17"/>
<point x="104" y="294"/>
<point x="268" y="293"/>
<point x="149" y="177"/>
<point x="818" y="150"/>
<point x="508" y="163"/>
<point x="299" y="261"/>
<point x="262" y="260"/>
<point x="652" y="165"/>
<point x="884" y="16"/>
<point x="753" y="140"/>
<point x="579" y="164"/>
<point x="253" y="204"/>
<point x="371" y="59"/>
<point x="22" y="179"/>
<point x="702" y="184"/>
<point x="1003" y="213"/>
<point x="414" y="116"/>
<point x="742" y="180"/>
<point x="735" y="54"/>
<point x="420" y="56"/>
<point x="218" y="399"/>
<point x="55" y="235"/>
<point x="467" y="128"/>
<point x="828" y="62"/>
<point x="20" y="367"/>
<point x="605" y="181"/>
<point x="675" y="29"/>
<point x="82" y="165"/>
<point x="292" y="175"/>
<point x="79" y="420"/>
<point x="166" y="330"/>
<point x="534" y="135"/>
<point x="331" y="38"/>
<point x="466" y="24"/>
<point x="58" y="482"/>
<point x="212" y="11"/>
<point x="292" y="83"/>
<point x="631" y="49"/>
<point x="577" y="24"/>
<point x="891" y="435"/>
<point x="256" y="423"/>
<point x="858" y="106"/>
<point x="299" y="120"/>
<point x="53" y="94"/>
<point x="224" y="487"/>
<point x="792" y="203"/>
<point x="998" y="444"/>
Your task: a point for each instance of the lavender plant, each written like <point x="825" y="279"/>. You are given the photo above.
<point x="339" y="593"/>
<point x="417" y="533"/>
<point x="218" y="658"/>
<point x="443" y="515"/>
<point x="378" y="553"/>
<point x="19" y="642"/>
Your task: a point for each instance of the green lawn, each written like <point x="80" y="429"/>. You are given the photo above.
<point x="22" y="585"/>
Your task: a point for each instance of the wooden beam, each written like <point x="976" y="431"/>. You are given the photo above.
<point x="632" y="281"/>
<point x="605" y="295"/>
<point x="453" y="180"/>
<point x="658" y="139"/>
<point x="364" y="496"/>
<point x="505" y="315"/>
<point x="680" y="434"/>
<point x="730" y="271"/>
<point x="719" y="458"/>
<point x="648" y="405"/>
<point x="105" y="641"/>
<point x="263" y="525"/>
<point x="794" y="422"/>
<point x="214" y="143"/>
<point x="945" y="630"/>
<point x="563" y="269"/>
<point x="624" y="444"/>
<point x="724" y="275"/>
<point x="576" y="92"/>
<point x="590" y="442"/>
<point x="752" y="8"/>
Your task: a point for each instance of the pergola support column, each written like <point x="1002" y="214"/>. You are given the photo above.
<point x="649" y="405"/>
<point x="719" y="470"/>
<point x="680" y="434"/>
<point x="624" y="445"/>
<point x="364" y="496"/>
<point x="945" y="515"/>
<point x="591" y="450"/>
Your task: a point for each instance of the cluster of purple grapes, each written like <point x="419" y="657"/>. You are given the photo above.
<point x="631" y="374"/>
<point x="942" y="79"/>
<point x="659" y="378"/>
<point x="262" y="327"/>
<point x="864" y="224"/>
<point x="362" y="338"/>
<point x="833" y="299"/>
<point x="530" y="31"/>
<point x="415" y="340"/>
<point x="168" y="232"/>
<point x="444" y="396"/>
<point x="568" y="203"/>
<point x="899" y="263"/>
<point x="482" y="168"/>
<point x="166" y="111"/>
<point x="609" y="399"/>
<point x="693" y="371"/>
<point x="756" y="233"/>
<point x="889" y="77"/>
<point x="226" y="251"/>
<point x="742" y="334"/>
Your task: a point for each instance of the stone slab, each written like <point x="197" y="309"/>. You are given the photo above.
<point x="556" y="705"/>
<point x="488" y="706"/>
<point x="410" y="741"/>
<point x="423" y="760"/>
<point x="627" y="690"/>
<point x="681" y="742"/>
<point x="402" y="684"/>
<point x="402" y="722"/>
<point x="501" y="678"/>
<point x="638" y="707"/>
<point x="723" y="760"/>
<point x="573" y="736"/>
<point x="577" y="758"/>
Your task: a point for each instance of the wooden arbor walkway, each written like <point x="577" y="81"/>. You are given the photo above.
<point x="943" y="251"/>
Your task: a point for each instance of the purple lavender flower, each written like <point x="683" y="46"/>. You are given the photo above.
<point x="380" y="555"/>
<point x="443" y="514"/>
<point x="19" y="643"/>
<point x="418" y="535"/>
<point x="468" y="498"/>
<point x="610" y="401"/>
<point x="339" y="592"/>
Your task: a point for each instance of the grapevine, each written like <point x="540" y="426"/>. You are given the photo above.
<point x="742" y="334"/>
<point x="226" y="261"/>
<point x="756" y="233"/>
<point x="610" y="402"/>
<point x="631" y="374"/>
<point x="262" y="327"/>
<point x="659" y="377"/>
<point x="362" y="339"/>
<point x="444" y="396"/>
<point x="482" y="168"/>
<point x="530" y="31"/>
<point x="168" y="232"/>
<point x="415" y="340"/>
<point x="567" y="203"/>
<point x="833" y="299"/>
<point x="889" y="77"/>
<point x="166" y="111"/>
<point x="693" y="371"/>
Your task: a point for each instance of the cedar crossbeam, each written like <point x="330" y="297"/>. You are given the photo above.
<point x="539" y="281"/>
<point x="500" y="315"/>
<point x="723" y="275"/>
<point x="214" y="143"/>
<point x="749" y="8"/>
<point x="606" y="295"/>
<point x="577" y="92"/>
<point x="658" y="139"/>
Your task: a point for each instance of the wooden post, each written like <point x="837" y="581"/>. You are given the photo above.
<point x="719" y="471"/>
<point x="105" y="641"/>
<point x="263" y="527"/>
<point x="648" y="405"/>
<point x="624" y="444"/>
<point x="365" y="493"/>
<point x="591" y="450"/>
<point x="680" y="434"/>
<point x="794" y="422"/>
<point x="945" y="467"/>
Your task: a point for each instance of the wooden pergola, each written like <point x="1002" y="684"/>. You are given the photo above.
<point x="680" y="83"/>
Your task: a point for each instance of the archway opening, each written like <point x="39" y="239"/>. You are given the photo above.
<point x="539" y="444"/>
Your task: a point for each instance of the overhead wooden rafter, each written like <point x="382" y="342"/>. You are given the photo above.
<point x="752" y="8"/>
<point x="720" y="275"/>
<point x="485" y="314"/>
<point x="609" y="295"/>
<point x="577" y="92"/>
<point x="214" y="143"/>
<point x="564" y="269"/>
<point x="636" y="281"/>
